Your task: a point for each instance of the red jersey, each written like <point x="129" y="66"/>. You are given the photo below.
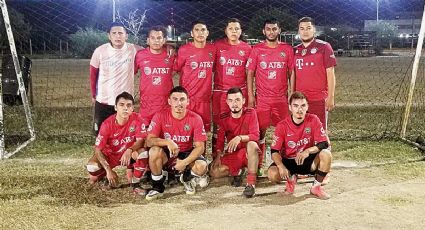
<point x="290" y="138"/>
<point x="230" y="69"/>
<point x="229" y="127"/>
<point x="310" y="69"/>
<point x="271" y="66"/>
<point x="196" y="67"/>
<point x="114" y="139"/>
<point x="156" y="79"/>
<point x="183" y="132"/>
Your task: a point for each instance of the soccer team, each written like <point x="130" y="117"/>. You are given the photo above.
<point x="230" y="88"/>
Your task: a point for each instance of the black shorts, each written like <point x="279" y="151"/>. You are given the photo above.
<point x="181" y="156"/>
<point x="293" y="168"/>
<point x="101" y="112"/>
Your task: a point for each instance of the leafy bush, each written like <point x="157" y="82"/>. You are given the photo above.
<point x="86" y="40"/>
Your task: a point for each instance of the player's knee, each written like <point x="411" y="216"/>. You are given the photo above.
<point x="252" y="147"/>
<point x="95" y="172"/>
<point x="200" y="167"/>
<point x="325" y="155"/>
<point x="155" y="152"/>
<point x="273" y="174"/>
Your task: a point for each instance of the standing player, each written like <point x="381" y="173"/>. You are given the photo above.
<point x="195" y="62"/>
<point x="314" y="70"/>
<point x="111" y="72"/>
<point x="177" y="140"/>
<point x="240" y="128"/>
<point x="271" y="64"/>
<point x="118" y="143"/>
<point x="300" y="147"/>
<point x="156" y="67"/>
<point x="230" y="68"/>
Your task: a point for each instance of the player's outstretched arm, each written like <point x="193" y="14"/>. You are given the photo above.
<point x="153" y="140"/>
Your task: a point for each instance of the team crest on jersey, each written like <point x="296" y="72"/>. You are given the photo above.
<point x="151" y="125"/>
<point x="307" y="130"/>
<point x="210" y="54"/>
<point x="222" y="60"/>
<point x="242" y="53"/>
<point x="194" y="65"/>
<point x="132" y="129"/>
<point x="167" y="136"/>
<point x="263" y="64"/>
<point x="291" y="144"/>
<point x="282" y="54"/>
<point x="167" y="61"/>
<point x="115" y="142"/>
<point x="147" y="70"/>
<point x="314" y="50"/>
<point x="230" y="71"/>
<point x="303" y="52"/>
<point x="186" y="127"/>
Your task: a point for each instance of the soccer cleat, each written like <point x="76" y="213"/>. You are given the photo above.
<point x="237" y="180"/>
<point x="202" y="181"/>
<point x="290" y="184"/>
<point x="249" y="191"/>
<point x="153" y="195"/>
<point x="189" y="186"/>
<point x="318" y="191"/>
<point x="139" y="191"/>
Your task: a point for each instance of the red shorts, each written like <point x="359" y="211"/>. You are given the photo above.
<point x="150" y="105"/>
<point x="203" y="108"/>
<point x="219" y="104"/>
<point x="235" y="161"/>
<point x="318" y="108"/>
<point x="271" y="111"/>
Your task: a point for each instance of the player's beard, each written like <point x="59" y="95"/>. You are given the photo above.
<point x="271" y="39"/>
<point x="235" y="110"/>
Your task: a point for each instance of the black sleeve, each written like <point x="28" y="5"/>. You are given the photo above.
<point x="322" y="145"/>
<point x="275" y="151"/>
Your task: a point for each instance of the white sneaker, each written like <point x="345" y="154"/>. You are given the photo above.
<point x="189" y="186"/>
<point x="153" y="195"/>
<point x="202" y="181"/>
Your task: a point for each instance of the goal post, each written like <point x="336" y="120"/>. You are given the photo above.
<point x="3" y="152"/>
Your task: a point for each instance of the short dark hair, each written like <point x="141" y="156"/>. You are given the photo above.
<point x="234" y="90"/>
<point x="297" y="95"/>
<point x="233" y="20"/>
<point x="124" y="95"/>
<point x="158" y="28"/>
<point x="199" y="22"/>
<point x="116" y="24"/>
<point x="306" y="19"/>
<point x="179" y="89"/>
<point x="271" y="21"/>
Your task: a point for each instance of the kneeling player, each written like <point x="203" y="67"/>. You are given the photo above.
<point x="117" y="143"/>
<point x="176" y="138"/>
<point x="240" y="128"/>
<point x="300" y="147"/>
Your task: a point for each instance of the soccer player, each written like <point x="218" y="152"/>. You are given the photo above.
<point x="194" y="63"/>
<point x="156" y="67"/>
<point x="271" y="64"/>
<point x="300" y="147"/>
<point x="111" y="72"/>
<point x="239" y="128"/>
<point x="177" y="140"/>
<point x="314" y="70"/>
<point x="230" y="69"/>
<point x="118" y="143"/>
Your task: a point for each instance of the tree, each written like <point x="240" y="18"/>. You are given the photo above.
<point x="133" y="23"/>
<point x="287" y="21"/>
<point x="385" y="34"/>
<point x="21" y="29"/>
<point x="86" y="40"/>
